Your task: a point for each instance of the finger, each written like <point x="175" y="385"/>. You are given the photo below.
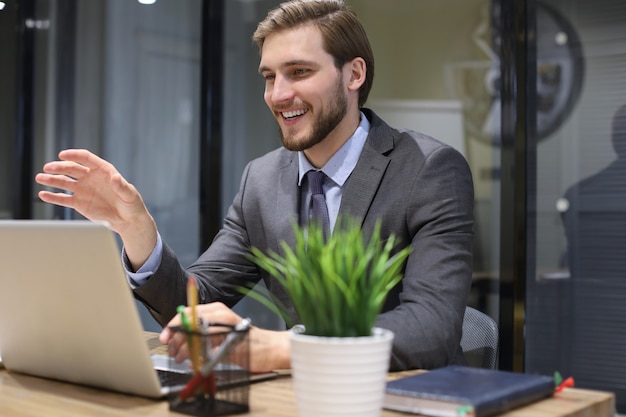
<point x="167" y="333"/>
<point x="182" y="354"/>
<point x="56" y="181"/>
<point x="83" y="157"/>
<point x="177" y="347"/>
<point x="70" y="169"/>
<point x="60" y="199"/>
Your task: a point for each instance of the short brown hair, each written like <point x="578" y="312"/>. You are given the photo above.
<point x="343" y="35"/>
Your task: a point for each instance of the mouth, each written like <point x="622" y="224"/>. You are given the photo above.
<point x="290" y="115"/>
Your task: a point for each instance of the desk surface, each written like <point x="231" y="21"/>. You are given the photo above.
<point x="26" y="396"/>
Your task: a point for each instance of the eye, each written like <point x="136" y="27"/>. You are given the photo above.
<point x="267" y="75"/>
<point x="300" y="71"/>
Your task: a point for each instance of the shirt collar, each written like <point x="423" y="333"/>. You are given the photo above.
<point x="342" y="163"/>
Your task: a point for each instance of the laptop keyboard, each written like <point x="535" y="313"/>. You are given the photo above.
<point x="173" y="379"/>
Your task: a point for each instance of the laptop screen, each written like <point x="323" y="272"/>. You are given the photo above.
<point x="66" y="309"/>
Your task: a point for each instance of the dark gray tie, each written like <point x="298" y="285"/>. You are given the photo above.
<point x="317" y="209"/>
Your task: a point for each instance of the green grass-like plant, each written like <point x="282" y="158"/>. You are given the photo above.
<point x="338" y="285"/>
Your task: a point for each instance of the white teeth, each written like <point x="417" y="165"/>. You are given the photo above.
<point x="289" y="114"/>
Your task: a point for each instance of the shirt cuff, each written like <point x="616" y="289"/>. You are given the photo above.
<point x="136" y="279"/>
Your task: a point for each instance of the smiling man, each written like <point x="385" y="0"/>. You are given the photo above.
<point x="314" y="101"/>
<point x="318" y="68"/>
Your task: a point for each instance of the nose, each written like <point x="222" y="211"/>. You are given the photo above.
<point x="280" y="91"/>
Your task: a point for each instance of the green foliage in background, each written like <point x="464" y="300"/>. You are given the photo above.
<point x="338" y="286"/>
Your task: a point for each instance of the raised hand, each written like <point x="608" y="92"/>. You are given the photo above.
<point x="94" y="188"/>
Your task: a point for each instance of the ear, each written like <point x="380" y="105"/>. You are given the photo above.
<point x="356" y="70"/>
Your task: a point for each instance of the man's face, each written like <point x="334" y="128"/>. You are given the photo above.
<point x="303" y="88"/>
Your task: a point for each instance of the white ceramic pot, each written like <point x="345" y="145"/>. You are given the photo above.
<point x="340" y="376"/>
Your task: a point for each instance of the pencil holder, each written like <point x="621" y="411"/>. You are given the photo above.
<point x="220" y="382"/>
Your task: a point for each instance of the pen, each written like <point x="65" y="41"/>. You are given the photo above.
<point x="194" y="350"/>
<point x="194" y="345"/>
<point x="186" y="327"/>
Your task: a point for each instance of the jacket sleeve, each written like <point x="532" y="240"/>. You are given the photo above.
<point x="427" y="321"/>
<point x="221" y="270"/>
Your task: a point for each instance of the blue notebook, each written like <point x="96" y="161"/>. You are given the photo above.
<point x="460" y="391"/>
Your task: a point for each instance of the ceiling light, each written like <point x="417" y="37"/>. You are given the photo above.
<point x="147" y="1"/>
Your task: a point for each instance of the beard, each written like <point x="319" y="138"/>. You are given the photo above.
<point x="323" y="124"/>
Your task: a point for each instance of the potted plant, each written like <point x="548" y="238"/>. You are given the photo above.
<point x="338" y="286"/>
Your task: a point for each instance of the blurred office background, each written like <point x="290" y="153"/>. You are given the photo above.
<point x="526" y="90"/>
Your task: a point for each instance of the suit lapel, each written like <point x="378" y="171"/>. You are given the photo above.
<point x="287" y="207"/>
<point x="370" y="169"/>
<point x="363" y="183"/>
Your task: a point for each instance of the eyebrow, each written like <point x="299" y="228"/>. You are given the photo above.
<point x="288" y="64"/>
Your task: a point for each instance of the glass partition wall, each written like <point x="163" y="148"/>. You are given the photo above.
<point x="122" y="79"/>
<point x="576" y="288"/>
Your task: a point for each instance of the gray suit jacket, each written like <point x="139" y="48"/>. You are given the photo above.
<point x="422" y="191"/>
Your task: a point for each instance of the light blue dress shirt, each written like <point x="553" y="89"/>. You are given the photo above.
<point x="338" y="169"/>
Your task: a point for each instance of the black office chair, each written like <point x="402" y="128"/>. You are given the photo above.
<point x="480" y="339"/>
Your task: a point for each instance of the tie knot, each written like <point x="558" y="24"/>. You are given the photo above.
<point x="316" y="179"/>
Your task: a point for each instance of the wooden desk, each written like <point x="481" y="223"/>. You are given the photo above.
<point x="26" y="396"/>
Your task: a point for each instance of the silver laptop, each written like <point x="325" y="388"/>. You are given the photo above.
<point x="66" y="309"/>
